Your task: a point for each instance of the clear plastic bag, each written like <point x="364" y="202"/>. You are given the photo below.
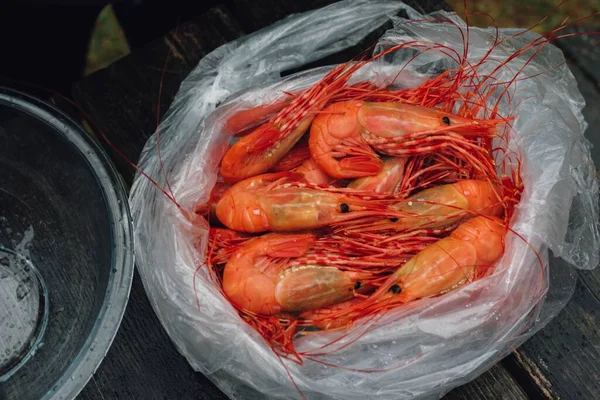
<point x="432" y="346"/>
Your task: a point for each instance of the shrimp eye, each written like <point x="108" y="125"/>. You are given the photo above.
<point x="395" y="289"/>
<point x="394" y="219"/>
<point x="344" y="207"/>
<point x="357" y="285"/>
<point x="446" y="120"/>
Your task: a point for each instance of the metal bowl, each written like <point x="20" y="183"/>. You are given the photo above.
<point x="66" y="251"/>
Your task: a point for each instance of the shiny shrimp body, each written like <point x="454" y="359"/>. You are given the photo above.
<point x="442" y="206"/>
<point x="463" y="256"/>
<point x="448" y="204"/>
<point x="260" y="279"/>
<point x="344" y="135"/>
<point x="294" y="158"/>
<point x="260" y="150"/>
<point x="265" y="203"/>
<point x="471" y="249"/>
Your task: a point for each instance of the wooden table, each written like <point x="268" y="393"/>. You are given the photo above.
<point x="561" y="361"/>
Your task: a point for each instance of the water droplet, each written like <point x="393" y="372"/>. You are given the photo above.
<point x="23" y="289"/>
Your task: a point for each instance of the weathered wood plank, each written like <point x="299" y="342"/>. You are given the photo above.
<point x="563" y="359"/>
<point x="582" y="49"/>
<point x="496" y="383"/>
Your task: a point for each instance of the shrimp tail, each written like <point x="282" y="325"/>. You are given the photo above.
<point x="358" y="159"/>
<point x="267" y="138"/>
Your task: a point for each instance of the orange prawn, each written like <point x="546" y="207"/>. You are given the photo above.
<point x="344" y="135"/>
<point x="258" y="151"/>
<point x="259" y="278"/>
<point x="294" y="158"/>
<point x="463" y="256"/>
<point x="471" y="248"/>
<point x="264" y="203"/>
<point x="441" y="206"/>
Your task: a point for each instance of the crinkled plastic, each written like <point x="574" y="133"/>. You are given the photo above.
<point x="429" y="347"/>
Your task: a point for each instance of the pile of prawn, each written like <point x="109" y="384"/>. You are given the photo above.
<point x="348" y="200"/>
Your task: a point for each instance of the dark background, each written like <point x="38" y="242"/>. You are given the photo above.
<point x="45" y="42"/>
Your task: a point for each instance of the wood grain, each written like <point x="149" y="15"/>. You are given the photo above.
<point x="563" y="360"/>
<point x="496" y="383"/>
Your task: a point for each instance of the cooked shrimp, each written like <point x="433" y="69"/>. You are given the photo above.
<point x="343" y="135"/>
<point x="260" y="279"/>
<point x="471" y="248"/>
<point x="294" y="158"/>
<point x="263" y="203"/>
<point x="257" y="152"/>
<point x="463" y="256"/>
<point x="441" y="206"/>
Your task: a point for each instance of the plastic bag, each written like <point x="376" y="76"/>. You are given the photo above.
<point x="433" y="346"/>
